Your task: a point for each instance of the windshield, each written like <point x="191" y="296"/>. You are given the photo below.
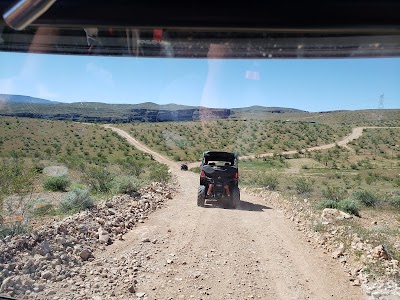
<point x="103" y="134"/>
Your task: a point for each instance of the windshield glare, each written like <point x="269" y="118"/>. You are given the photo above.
<point x="106" y="191"/>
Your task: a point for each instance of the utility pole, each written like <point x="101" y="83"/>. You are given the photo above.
<point x="381" y="106"/>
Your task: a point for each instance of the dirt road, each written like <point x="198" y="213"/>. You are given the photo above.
<point x="355" y="134"/>
<point x="215" y="253"/>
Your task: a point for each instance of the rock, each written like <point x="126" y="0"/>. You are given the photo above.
<point x="8" y="282"/>
<point x="145" y="240"/>
<point x="112" y="211"/>
<point x="60" y="240"/>
<point x="380" y="252"/>
<point x="29" y="263"/>
<point x="356" y="282"/>
<point x="50" y="292"/>
<point x="197" y="274"/>
<point x="44" y="248"/>
<point x="83" y="229"/>
<point x="140" y="295"/>
<point x="131" y="289"/>
<point x="104" y="237"/>
<point x="338" y="252"/>
<point x="47" y="275"/>
<point x="38" y="287"/>
<point x="85" y="254"/>
<point x="331" y="214"/>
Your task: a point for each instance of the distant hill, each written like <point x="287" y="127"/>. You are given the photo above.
<point x="170" y="106"/>
<point x="264" y="109"/>
<point x="25" y="99"/>
<point x="30" y="107"/>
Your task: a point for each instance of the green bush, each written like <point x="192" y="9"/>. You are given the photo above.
<point x="98" y="178"/>
<point x="133" y="166"/>
<point x="366" y="198"/>
<point x="347" y="205"/>
<point x="195" y="170"/>
<point x="303" y="185"/>
<point x="395" y="202"/>
<point x="126" y="184"/>
<point x="327" y="203"/>
<point x="268" y="181"/>
<point x="75" y="201"/>
<point x="350" y="206"/>
<point x="56" y="183"/>
<point x="334" y="193"/>
<point x="13" y="228"/>
<point x="159" y="173"/>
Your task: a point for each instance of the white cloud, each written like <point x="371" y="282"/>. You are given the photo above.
<point x="101" y="74"/>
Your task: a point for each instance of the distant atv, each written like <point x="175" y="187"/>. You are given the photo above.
<point x="219" y="179"/>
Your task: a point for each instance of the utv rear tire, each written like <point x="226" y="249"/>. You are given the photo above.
<point x="236" y="197"/>
<point x="201" y="195"/>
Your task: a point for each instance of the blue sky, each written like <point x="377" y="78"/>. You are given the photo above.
<point x="308" y="84"/>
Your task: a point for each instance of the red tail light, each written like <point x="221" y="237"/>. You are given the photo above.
<point x="237" y="175"/>
<point x="202" y="174"/>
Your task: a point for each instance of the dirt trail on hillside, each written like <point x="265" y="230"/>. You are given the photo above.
<point x="215" y="253"/>
<point x="355" y="134"/>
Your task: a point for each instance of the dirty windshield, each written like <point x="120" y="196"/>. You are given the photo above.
<point x="105" y="191"/>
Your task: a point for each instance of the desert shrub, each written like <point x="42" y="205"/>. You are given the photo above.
<point x="126" y="184"/>
<point x="159" y="173"/>
<point x="350" y="206"/>
<point x="366" y="198"/>
<point x="334" y="193"/>
<point x="98" y="178"/>
<point x="75" y="201"/>
<point x="268" y="180"/>
<point x="13" y="228"/>
<point x="56" y="183"/>
<point x="303" y="185"/>
<point x="195" y="170"/>
<point x="38" y="167"/>
<point x="133" y="166"/>
<point x="395" y="202"/>
<point x="16" y="178"/>
<point x="327" y="203"/>
<point x="42" y="207"/>
<point x="347" y="205"/>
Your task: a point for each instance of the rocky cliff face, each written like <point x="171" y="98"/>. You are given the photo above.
<point x="135" y="115"/>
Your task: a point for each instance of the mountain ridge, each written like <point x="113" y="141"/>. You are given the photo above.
<point x="25" y="99"/>
<point x="10" y="98"/>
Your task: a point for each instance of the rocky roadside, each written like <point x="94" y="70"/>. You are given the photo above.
<point x="62" y="260"/>
<point x="337" y="239"/>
